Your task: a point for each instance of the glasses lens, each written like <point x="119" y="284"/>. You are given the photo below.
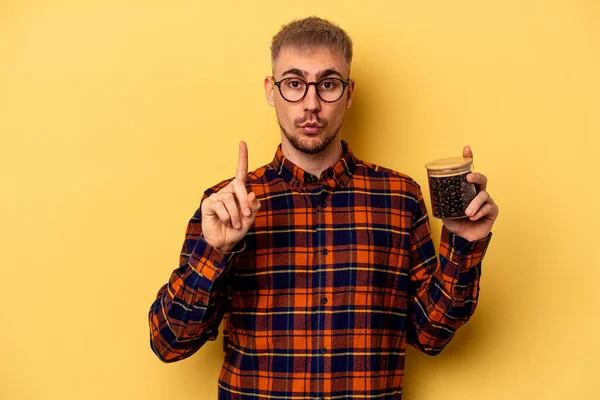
<point x="292" y="89"/>
<point x="331" y="89"/>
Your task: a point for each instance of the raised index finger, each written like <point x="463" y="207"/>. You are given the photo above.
<point x="242" y="168"/>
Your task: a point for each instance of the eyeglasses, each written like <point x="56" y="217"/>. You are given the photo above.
<point x="329" y="90"/>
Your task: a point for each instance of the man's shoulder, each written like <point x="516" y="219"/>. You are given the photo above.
<point x="396" y="177"/>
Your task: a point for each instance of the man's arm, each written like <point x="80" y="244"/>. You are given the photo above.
<point x="189" y="308"/>
<point x="444" y="293"/>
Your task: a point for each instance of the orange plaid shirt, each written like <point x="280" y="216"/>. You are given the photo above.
<point x="319" y="300"/>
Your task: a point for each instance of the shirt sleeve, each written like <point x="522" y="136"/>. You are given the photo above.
<point x="444" y="292"/>
<point x="189" y="308"/>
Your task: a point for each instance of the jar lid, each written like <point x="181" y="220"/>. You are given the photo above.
<point x="450" y="163"/>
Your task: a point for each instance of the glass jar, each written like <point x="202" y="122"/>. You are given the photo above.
<point x="450" y="191"/>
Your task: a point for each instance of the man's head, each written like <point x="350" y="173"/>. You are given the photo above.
<point x="304" y="51"/>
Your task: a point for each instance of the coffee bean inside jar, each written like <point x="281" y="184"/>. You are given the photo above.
<point x="450" y="191"/>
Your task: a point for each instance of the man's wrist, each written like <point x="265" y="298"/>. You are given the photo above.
<point x="224" y="250"/>
<point x="460" y="250"/>
<point x="236" y="248"/>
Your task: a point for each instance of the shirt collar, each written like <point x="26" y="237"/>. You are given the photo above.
<point x="336" y="176"/>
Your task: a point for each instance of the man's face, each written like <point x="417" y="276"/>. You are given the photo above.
<point x="311" y="124"/>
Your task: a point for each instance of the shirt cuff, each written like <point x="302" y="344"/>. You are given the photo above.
<point x="209" y="262"/>
<point x="461" y="251"/>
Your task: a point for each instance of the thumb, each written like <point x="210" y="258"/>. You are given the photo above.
<point x="254" y="202"/>
<point x="467" y="152"/>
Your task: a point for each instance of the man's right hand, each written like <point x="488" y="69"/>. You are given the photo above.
<point x="229" y="213"/>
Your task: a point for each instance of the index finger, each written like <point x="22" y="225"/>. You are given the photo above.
<point x="479" y="180"/>
<point x="242" y="168"/>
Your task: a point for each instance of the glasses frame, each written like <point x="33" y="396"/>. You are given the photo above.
<point x="278" y="84"/>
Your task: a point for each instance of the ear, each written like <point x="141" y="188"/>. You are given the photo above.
<point x="349" y="93"/>
<point x="269" y="91"/>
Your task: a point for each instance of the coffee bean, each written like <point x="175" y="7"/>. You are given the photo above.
<point x="451" y="195"/>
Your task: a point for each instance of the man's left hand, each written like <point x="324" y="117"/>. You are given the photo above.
<point x="481" y="213"/>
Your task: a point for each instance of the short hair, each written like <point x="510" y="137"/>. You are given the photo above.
<point x="307" y="33"/>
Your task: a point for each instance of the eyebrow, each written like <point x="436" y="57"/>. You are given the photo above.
<point x="319" y="75"/>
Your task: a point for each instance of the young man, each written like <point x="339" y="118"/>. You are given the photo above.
<point x="320" y="265"/>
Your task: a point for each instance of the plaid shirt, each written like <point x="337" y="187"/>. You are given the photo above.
<point x="335" y="277"/>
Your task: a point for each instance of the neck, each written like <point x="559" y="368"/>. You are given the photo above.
<point x="314" y="163"/>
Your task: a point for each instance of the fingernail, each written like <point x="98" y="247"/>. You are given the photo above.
<point x="468" y="212"/>
<point x="247" y="212"/>
<point x="237" y="225"/>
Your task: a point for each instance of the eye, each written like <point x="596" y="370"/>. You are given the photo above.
<point x="329" y="84"/>
<point x="295" y="84"/>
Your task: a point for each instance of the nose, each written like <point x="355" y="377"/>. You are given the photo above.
<point x="312" y="101"/>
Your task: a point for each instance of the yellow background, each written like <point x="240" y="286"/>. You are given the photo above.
<point x="115" y="116"/>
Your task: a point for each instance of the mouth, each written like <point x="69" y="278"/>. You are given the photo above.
<point x="311" y="129"/>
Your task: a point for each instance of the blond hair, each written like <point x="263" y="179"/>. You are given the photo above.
<point x="308" y="33"/>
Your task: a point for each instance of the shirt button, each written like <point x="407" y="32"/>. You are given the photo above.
<point x="323" y="350"/>
<point x="216" y="264"/>
<point x="324" y="204"/>
<point x="325" y="252"/>
<point x="324" y="300"/>
<point x="200" y="303"/>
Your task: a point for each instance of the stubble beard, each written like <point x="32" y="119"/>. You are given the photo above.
<point x="315" y="144"/>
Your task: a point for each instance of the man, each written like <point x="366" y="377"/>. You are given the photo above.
<point x="320" y="265"/>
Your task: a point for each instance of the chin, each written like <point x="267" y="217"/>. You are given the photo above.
<point x="310" y="144"/>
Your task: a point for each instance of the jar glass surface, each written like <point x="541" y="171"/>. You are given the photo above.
<point x="449" y="189"/>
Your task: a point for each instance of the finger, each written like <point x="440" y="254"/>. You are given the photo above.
<point x="228" y="200"/>
<point x="241" y="194"/>
<point x="476" y="203"/>
<point x="242" y="168"/>
<point x="486" y="209"/>
<point x="467" y="151"/>
<point x="256" y="205"/>
<point x="219" y="209"/>
<point x="478" y="179"/>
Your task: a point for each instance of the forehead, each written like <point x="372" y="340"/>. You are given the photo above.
<point x="311" y="60"/>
